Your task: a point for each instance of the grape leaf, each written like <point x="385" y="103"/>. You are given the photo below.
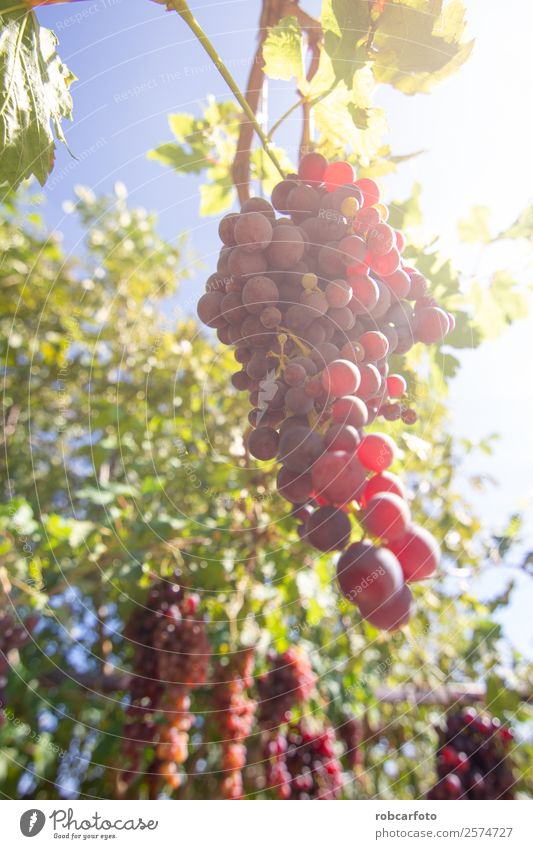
<point x="522" y="227"/>
<point x="475" y="228"/>
<point x="346" y="26"/>
<point x="35" y="96"/>
<point x="283" y="52"/>
<point x="498" y="305"/>
<point x="419" y="44"/>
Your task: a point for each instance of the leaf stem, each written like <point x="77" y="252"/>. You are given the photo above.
<point x="295" y="106"/>
<point x="182" y="8"/>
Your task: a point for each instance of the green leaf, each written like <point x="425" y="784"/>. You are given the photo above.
<point x="419" y="44"/>
<point x="346" y="25"/>
<point x="497" y="305"/>
<point x="187" y="162"/>
<point x="475" y="228"/>
<point x="283" y="51"/>
<point x="522" y="227"/>
<point x="35" y="97"/>
<point x="216" y="197"/>
<point x="500" y="697"/>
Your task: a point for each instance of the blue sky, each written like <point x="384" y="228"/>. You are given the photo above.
<point x="136" y="63"/>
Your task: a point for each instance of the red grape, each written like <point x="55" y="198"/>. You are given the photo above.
<point x="368" y="574"/>
<point x="337" y="174"/>
<point x="418" y="553"/>
<point x="391" y="614"/>
<point x="341" y="377"/>
<point x="376" y="452"/>
<point x="312" y="168"/>
<point x="386" y="515"/>
<point x="384" y="482"/>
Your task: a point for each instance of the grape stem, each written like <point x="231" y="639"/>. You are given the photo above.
<point x="299" y="344"/>
<point x="183" y="10"/>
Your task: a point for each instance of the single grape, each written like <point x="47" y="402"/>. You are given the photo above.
<point x="399" y="283"/>
<point x="383" y="482"/>
<point x="376" y="452"/>
<point x="338" y="477"/>
<point x="396" y="385"/>
<point x="366" y="573"/>
<point x="370" y="190"/>
<point x="324" y="354"/>
<point x="341" y="437"/>
<point x="338" y="293"/>
<point x="391" y="614"/>
<point x="259" y="292"/>
<point x="294" y="374"/>
<point x="241" y="380"/>
<point x="431" y="325"/>
<point x="328" y="529"/>
<point x="232" y="308"/>
<point x="409" y="417"/>
<point x="298" y="401"/>
<point x="226" y="229"/>
<point x="342" y="318"/>
<point x="286" y="248"/>
<point x="299" y="447"/>
<point x="293" y="486"/>
<point x="386" y="515"/>
<point x="330" y="260"/>
<point x="365" y="293"/>
<point x="419" y="284"/>
<point x="243" y="264"/>
<point x="375" y="344"/>
<point x="370" y="382"/>
<point x="302" y="203"/>
<point x="380" y="239"/>
<point x="210" y="309"/>
<point x="259" y="205"/>
<point x="350" y="410"/>
<point x="337" y="174"/>
<point x="341" y="377"/>
<point x="352" y="250"/>
<point x="270" y="317"/>
<point x="280" y="193"/>
<point x="386" y="264"/>
<point x="418" y="553"/>
<point x="312" y="168"/>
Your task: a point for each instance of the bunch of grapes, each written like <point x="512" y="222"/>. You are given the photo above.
<point x="473" y="760"/>
<point x="302" y="763"/>
<point x="314" y="303"/>
<point x="171" y="657"/>
<point x="234" y="718"/>
<point x="13" y="635"/>
<point x="289" y="682"/>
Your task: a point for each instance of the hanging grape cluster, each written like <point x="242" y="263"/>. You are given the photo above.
<point x="303" y="764"/>
<point x="314" y="303"/>
<point x="234" y="717"/>
<point x="13" y="635"/>
<point x="289" y="681"/>
<point x="171" y="658"/>
<point x="473" y="758"/>
<point x="300" y="759"/>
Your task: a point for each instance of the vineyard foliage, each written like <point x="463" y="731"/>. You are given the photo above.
<point x="123" y="459"/>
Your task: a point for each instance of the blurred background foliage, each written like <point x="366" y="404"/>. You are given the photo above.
<point x="123" y="457"/>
